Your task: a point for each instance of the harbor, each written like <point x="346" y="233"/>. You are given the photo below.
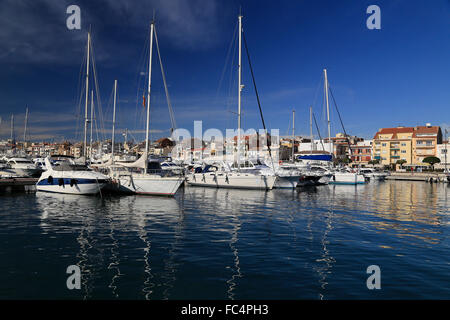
<point x="220" y="151"/>
<point x="207" y="243"/>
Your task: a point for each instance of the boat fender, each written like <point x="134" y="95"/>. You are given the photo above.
<point x="50" y="180"/>
<point x="203" y="178"/>
<point x="226" y="179"/>
<point x="61" y="182"/>
<point x="73" y="182"/>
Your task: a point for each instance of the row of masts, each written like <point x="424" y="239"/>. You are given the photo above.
<point x="87" y="120"/>
<point x="240" y="87"/>
<point x="90" y="120"/>
<point x="13" y="138"/>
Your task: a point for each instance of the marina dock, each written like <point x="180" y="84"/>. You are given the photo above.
<point x="18" y="185"/>
<point x="417" y="176"/>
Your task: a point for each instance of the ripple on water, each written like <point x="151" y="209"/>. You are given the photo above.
<point x="314" y="243"/>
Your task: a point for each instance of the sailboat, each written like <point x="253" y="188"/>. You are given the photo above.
<point x="343" y="176"/>
<point x="142" y="176"/>
<point x="224" y="175"/>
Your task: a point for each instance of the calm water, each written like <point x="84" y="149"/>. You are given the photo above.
<point x="229" y="244"/>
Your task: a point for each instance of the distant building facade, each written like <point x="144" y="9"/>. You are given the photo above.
<point x="411" y="144"/>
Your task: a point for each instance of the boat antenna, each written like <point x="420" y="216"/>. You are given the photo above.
<point x="25" y="127"/>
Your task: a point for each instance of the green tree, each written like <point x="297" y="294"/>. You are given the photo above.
<point x="432" y="161"/>
<point x="401" y="162"/>
<point x="376" y="161"/>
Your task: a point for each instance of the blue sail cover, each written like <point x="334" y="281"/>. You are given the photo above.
<point x="317" y="157"/>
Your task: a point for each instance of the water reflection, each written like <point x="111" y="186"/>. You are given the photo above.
<point x="91" y="217"/>
<point x="236" y="243"/>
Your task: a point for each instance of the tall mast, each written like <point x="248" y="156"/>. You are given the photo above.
<point x="86" y="120"/>
<point x="12" y="128"/>
<point x="328" y="110"/>
<point x="25" y="127"/>
<point x="445" y="150"/>
<point x="311" y="128"/>
<point x="240" y="86"/>
<point x="92" y="121"/>
<point x="148" y="94"/>
<point x="293" y="134"/>
<point x="114" y="121"/>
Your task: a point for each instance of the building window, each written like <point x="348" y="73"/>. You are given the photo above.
<point x="383" y="144"/>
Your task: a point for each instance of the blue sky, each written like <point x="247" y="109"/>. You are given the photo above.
<point x="381" y="78"/>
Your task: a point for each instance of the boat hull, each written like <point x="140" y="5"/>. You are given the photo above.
<point x="149" y="185"/>
<point x="67" y="186"/>
<point x="231" y="180"/>
<point x="347" y="178"/>
<point x="291" y="182"/>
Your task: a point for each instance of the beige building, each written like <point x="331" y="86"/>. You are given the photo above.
<point x="411" y="144"/>
<point x="425" y="142"/>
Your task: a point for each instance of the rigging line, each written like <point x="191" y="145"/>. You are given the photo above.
<point x="230" y="47"/>
<point x="257" y="97"/>
<point x="79" y="117"/>
<point x="99" y="103"/>
<point x="289" y="127"/>
<point x="79" y="93"/>
<point x="340" y="119"/>
<point x="317" y="91"/>
<point x="232" y="82"/>
<point x="318" y="131"/>
<point x="141" y="66"/>
<point x="169" y="104"/>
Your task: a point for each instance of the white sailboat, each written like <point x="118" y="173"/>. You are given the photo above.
<point x="339" y="176"/>
<point x="233" y="176"/>
<point x="142" y="177"/>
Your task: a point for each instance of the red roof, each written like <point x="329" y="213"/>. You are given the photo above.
<point x="426" y="130"/>
<point x="394" y="131"/>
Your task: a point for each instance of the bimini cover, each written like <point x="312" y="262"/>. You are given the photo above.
<point x="317" y="157"/>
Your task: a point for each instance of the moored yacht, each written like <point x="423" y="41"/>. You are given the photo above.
<point x="5" y="170"/>
<point x="241" y="174"/>
<point x="23" y="167"/>
<point x="373" y="175"/>
<point x="222" y="175"/>
<point x="347" y="177"/>
<point x="70" y="178"/>
<point x="143" y="176"/>
<point x="289" y="176"/>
